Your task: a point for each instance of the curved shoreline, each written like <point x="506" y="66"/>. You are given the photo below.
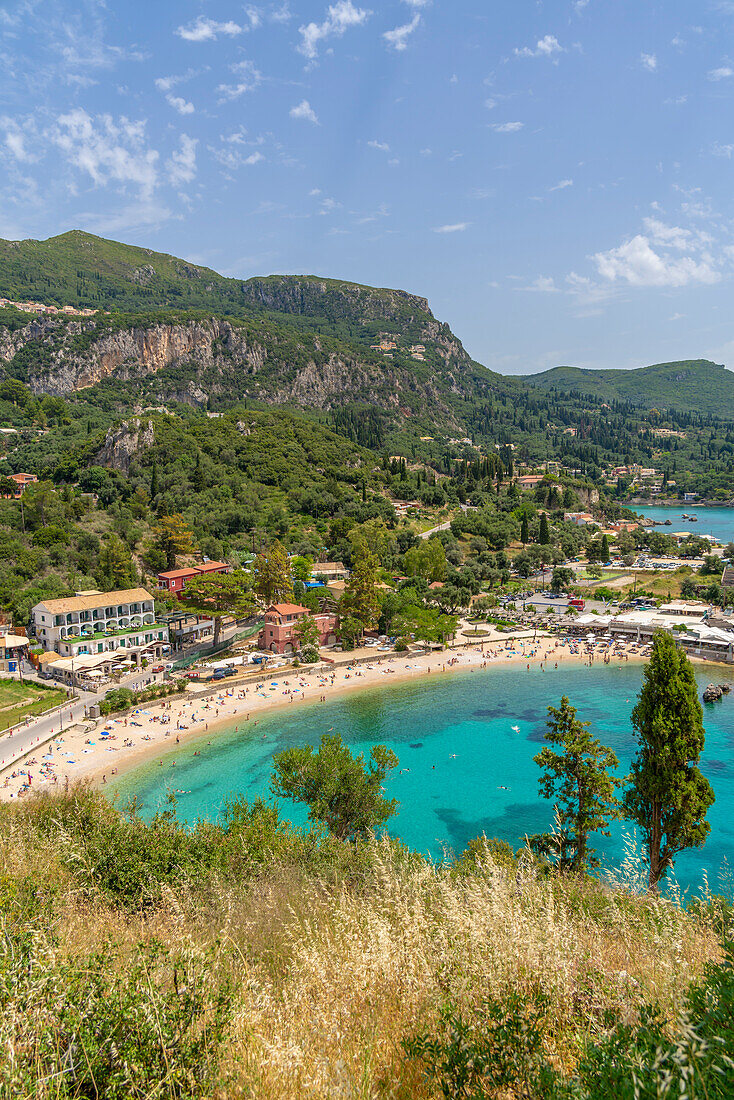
<point x="142" y="735"/>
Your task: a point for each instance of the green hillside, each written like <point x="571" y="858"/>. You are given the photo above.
<point x="691" y="385"/>
<point x="82" y="270"/>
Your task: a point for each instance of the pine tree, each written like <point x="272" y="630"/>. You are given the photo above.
<point x="360" y="599"/>
<point x="273" y="575"/>
<point x="173" y="537"/>
<point x="544" y="535"/>
<point x="669" y="797"/>
<point x="578" y="779"/>
<point x="154" y="488"/>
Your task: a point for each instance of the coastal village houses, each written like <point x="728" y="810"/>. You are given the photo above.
<point x="174" y="580"/>
<point x="22" y="481"/>
<point x="279" y="634"/>
<point x="92" y="624"/>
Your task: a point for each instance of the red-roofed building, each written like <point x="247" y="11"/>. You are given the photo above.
<point x="279" y="635"/>
<point x="174" y="580"/>
<point x="22" y="481"/>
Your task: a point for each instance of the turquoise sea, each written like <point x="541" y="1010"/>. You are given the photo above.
<point x="711" y="521"/>
<point x="463" y="769"/>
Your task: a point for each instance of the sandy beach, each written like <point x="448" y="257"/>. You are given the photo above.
<point x="102" y="749"/>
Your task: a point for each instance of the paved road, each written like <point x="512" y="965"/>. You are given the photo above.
<point x="433" y="530"/>
<point x="25" y="738"/>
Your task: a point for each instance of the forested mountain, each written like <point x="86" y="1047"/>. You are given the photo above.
<point x="691" y="385"/>
<point x="172" y="335"/>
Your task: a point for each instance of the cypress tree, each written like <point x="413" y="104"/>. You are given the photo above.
<point x="544" y="535"/>
<point x="669" y="797"/>
<point x="524" y="533"/>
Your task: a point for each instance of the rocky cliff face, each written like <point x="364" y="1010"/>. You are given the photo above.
<point x="195" y="359"/>
<point x="124" y="442"/>
<point x="309" y="296"/>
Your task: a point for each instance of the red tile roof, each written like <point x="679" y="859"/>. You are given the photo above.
<point x="173" y="574"/>
<point x="211" y="566"/>
<point x="287" y="608"/>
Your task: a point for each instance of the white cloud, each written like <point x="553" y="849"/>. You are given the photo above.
<point x="543" y="285"/>
<point x="649" y="61"/>
<point x="339" y="18"/>
<point x="107" y="150"/>
<point x="233" y="152"/>
<point x="548" y="46"/>
<point x="561" y="185"/>
<point x="722" y="150"/>
<point x="507" y="127"/>
<point x="381" y="145"/>
<point x="672" y="236"/>
<point x="165" y="84"/>
<point x="721" y="74"/>
<point x="206" y="30"/>
<point x="249" y="77"/>
<point x="253" y="14"/>
<point x="637" y="263"/>
<point x="15" y="139"/>
<point x="183" y="106"/>
<point x="456" y="227"/>
<point x="181" y="165"/>
<point x="397" y="38"/>
<point x="305" y="111"/>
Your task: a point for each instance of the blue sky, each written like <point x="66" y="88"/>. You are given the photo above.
<point x="555" y="177"/>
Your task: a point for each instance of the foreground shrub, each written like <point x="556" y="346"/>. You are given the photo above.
<point x="499" y="1050"/>
<point x="151" y="1026"/>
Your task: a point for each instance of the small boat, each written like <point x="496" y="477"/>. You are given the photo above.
<point x="668" y="523"/>
<point x="515" y="729"/>
<point x="693" y="519"/>
<point x="686" y="516"/>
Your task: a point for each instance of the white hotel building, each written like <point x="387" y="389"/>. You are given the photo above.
<point x="100" y="622"/>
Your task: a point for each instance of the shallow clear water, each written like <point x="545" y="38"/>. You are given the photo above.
<point x="711" y="521"/>
<point x="463" y="770"/>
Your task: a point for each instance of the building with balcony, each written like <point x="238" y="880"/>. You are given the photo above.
<point x="100" y="622"/>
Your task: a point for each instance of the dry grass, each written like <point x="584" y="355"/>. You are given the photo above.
<point x="327" y="980"/>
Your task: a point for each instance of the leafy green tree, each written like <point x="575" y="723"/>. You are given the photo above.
<point x="115" y="568"/>
<point x="301" y="567"/>
<point x="562" y="577"/>
<point x="307" y="632"/>
<point x="578" y="778"/>
<point x="425" y="623"/>
<point x="273" y="574"/>
<point x="173" y="536"/>
<point x="376" y="538"/>
<point x="427" y="560"/>
<point x="217" y="595"/>
<point x="668" y="797"/>
<point x="342" y="791"/>
<point x="544" y="533"/>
